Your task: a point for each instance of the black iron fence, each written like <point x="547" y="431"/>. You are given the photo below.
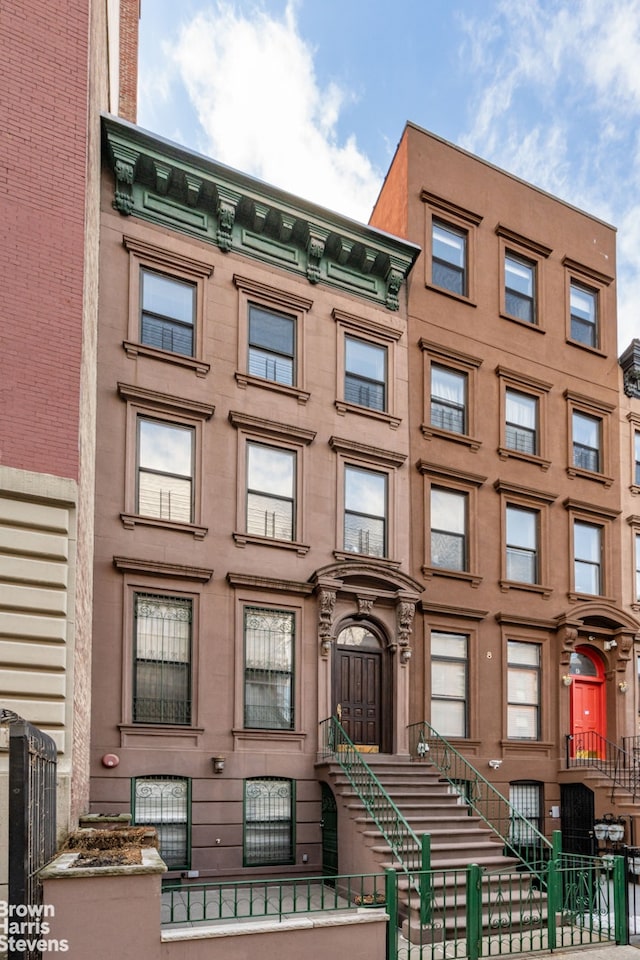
<point x="591" y="750"/>
<point x="32" y="810"/>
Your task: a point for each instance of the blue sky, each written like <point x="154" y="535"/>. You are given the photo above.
<point x="313" y="95"/>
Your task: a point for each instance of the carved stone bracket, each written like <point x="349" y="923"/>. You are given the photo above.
<point x="625" y="646"/>
<point x="124" y="166"/>
<point x="394" y="282"/>
<point x="193" y="184"/>
<point x="163" y="177"/>
<point x="630" y="363"/>
<point x="405" y="612"/>
<point x="227" y="206"/>
<point x="365" y="606"/>
<point x="567" y="635"/>
<point x="327" y="592"/>
<point x="315" y="252"/>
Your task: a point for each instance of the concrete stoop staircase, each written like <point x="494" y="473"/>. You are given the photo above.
<point x="458" y="838"/>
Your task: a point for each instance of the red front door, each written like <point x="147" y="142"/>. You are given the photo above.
<point x="588" y="723"/>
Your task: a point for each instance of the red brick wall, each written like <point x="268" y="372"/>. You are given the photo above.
<point x="43" y="104"/>
<point x="129" y="16"/>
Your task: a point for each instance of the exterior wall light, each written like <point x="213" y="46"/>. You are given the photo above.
<point x="623" y="686"/>
<point x="218" y="764"/>
<point x="609" y="828"/>
<point x="567" y="679"/>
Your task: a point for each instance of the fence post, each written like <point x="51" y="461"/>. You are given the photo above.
<point x="425" y="880"/>
<point x="474" y="911"/>
<point x="391" y="891"/>
<point x="552" y="879"/>
<point x="620" y="901"/>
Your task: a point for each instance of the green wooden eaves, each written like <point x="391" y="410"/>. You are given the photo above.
<point x="167" y="184"/>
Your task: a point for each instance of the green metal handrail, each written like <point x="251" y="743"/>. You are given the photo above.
<point x="410" y="851"/>
<point x="517" y="833"/>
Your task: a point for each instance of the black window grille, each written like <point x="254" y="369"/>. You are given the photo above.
<point x="268" y="668"/>
<point x="162" y="659"/>
<point x="268" y="821"/>
<point x="164" y="802"/>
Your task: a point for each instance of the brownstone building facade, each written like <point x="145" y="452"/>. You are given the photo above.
<point x="252" y="491"/>
<point x="344" y="472"/>
<point x="526" y="650"/>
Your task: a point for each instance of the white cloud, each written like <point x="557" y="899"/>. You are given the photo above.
<point x="250" y="77"/>
<point x="558" y="104"/>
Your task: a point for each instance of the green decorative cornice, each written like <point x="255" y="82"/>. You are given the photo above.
<point x="167" y="184"/>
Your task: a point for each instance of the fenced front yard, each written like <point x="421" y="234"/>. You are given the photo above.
<point x="432" y="915"/>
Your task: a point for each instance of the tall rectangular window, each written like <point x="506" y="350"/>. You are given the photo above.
<point x="636" y="458"/>
<point x="167" y="313"/>
<point x="365" y="373"/>
<point x="165" y="470"/>
<point x="268" y="669"/>
<point x="365" y="511"/>
<point x="587" y="432"/>
<point x="449" y="683"/>
<point x="165" y="803"/>
<point x="523" y="690"/>
<point x="449" y="258"/>
<point x="162" y="659"/>
<point x="584" y="314"/>
<point x="526" y="798"/>
<point x="637" y="546"/>
<point x="587" y="553"/>
<point x="269" y="803"/>
<point x="522" y="544"/>
<point x="521" y="428"/>
<point x="271" y="484"/>
<point x="271" y="345"/>
<point x="448" y="399"/>
<point x="519" y="293"/>
<point x="448" y="529"/>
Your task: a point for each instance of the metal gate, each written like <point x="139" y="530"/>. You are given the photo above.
<point x="577" y="811"/>
<point x="32" y="809"/>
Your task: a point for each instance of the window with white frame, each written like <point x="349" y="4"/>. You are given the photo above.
<point x="167" y="312"/>
<point x="521" y="426"/>
<point x="449" y="652"/>
<point x="522" y="544"/>
<point x="272" y="345"/>
<point x="269" y="803"/>
<point x="164" y="802"/>
<point x="165" y="470"/>
<point x="587" y="557"/>
<point x="449" y="258"/>
<point x="271" y="486"/>
<point x="268" y="669"/>
<point x="162" y="659"/>
<point x="587" y="441"/>
<point x="636" y="458"/>
<point x="365" y="375"/>
<point x="365" y="511"/>
<point x="637" y="564"/>
<point x="449" y="529"/>
<point x="520" y="288"/>
<point x="523" y="690"/>
<point x="584" y="314"/>
<point x="448" y="399"/>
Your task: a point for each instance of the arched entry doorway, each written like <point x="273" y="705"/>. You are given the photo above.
<point x="588" y="705"/>
<point x="360" y="685"/>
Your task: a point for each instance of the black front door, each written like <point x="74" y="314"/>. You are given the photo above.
<point x="577" y="813"/>
<point x="329" y="832"/>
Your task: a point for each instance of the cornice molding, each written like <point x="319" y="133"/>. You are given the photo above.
<point x="269" y="583"/>
<point x="165" y="401"/>
<point x="270" y="428"/>
<point x="363" y="451"/>
<point x="157" y="568"/>
<point x="165" y="183"/>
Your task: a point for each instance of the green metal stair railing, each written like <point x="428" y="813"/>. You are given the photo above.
<point x="517" y="833"/>
<point x="408" y="849"/>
